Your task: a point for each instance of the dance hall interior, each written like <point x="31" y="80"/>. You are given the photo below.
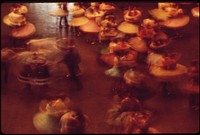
<point x="102" y="67"/>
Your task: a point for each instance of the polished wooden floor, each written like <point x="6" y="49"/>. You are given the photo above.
<point x="18" y="107"/>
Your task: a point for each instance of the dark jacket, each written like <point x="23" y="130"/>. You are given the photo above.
<point x="72" y="57"/>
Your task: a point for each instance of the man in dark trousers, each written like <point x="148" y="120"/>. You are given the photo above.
<point x="72" y="60"/>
